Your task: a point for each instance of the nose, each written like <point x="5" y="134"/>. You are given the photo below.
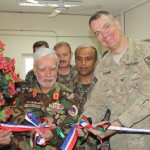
<point x="61" y="58"/>
<point x="83" y="62"/>
<point x="48" y="73"/>
<point x="104" y="33"/>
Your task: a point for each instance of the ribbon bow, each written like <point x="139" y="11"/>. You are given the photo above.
<point x="72" y="136"/>
<point x="31" y="118"/>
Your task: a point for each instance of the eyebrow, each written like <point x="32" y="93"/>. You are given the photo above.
<point x="41" y="67"/>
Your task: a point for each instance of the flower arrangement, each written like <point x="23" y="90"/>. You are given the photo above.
<point x="7" y="83"/>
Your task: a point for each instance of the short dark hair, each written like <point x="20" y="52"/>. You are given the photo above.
<point x="59" y="44"/>
<point x="39" y="44"/>
<point x="86" y="46"/>
<point x="98" y="14"/>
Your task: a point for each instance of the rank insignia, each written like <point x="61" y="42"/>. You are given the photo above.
<point x="33" y="104"/>
<point x="147" y="60"/>
<point x="35" y="92"/>
<point x="56" y="105"/>
<point x="73" y="111"/>
<point x="56" y="96"/>
<point x="15" y="102"/>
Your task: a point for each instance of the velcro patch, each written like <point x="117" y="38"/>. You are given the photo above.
<point x="147" y="60"/>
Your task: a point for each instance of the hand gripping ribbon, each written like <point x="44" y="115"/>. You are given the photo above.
<point x="72" y="136"/>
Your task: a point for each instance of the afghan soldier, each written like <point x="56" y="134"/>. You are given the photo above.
<point x="45" y="98"/>
<point x="66" y="72"/>
<point x="86" y="60"/>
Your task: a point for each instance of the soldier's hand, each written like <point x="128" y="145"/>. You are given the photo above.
<point x="80" y="132"/>
<point x="96" y="132"/>
<point x="5" y="137"/>
<point x="50" y="122"/>
<point x="56" y="119"/>
<point x="46" y="134"/>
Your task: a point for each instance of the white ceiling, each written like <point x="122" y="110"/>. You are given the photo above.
<point x="88" y="7"/>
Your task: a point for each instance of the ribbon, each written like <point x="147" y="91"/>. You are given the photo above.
<point x="73" y="134"/>
<point x="21" y="128"/>
<point x="84" y="124"/>
<point x="59" y="131"/>
<point x="123" y="129"/>
<point x="31" y="118"/>
<point x="70" y="139"/>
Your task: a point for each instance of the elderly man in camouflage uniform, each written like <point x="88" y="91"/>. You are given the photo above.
<point x="66" y="72"/>
<point x="45" y="98"/>
<point x="123" y="84"/>
<point x="86" y="59"/>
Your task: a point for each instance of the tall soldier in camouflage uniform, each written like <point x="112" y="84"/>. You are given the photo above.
<point x="86" y="60"/>
<point x="45" y="98"/>
<point x="66" y="71"/>
<point x="30" y="77"/>
<point x="123" y="84"/>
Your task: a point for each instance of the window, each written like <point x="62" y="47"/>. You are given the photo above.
<point x="27" y="64"/>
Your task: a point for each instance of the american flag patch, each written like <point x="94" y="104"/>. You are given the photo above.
<point x="147" y="60"/>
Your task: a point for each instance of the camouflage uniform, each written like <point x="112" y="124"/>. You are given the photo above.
<point x="41" y="105"/>
<point x="125" y="90"/>
<point x="81" y="92"/>
<point x="30" y="77"/>
<point x="68" y="80"/>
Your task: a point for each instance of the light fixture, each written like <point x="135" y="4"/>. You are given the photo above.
<point x="61" y="9"/>
<point x="33" y="1"/>
<point x="29" y="3"/>
<point x="48" y="3"/>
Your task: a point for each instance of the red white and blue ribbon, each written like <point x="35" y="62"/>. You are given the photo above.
<point x="70" y="139"/>
<point x="21" y="128"/>
<point x="83" y="123"/>
<point x="27" y="128"/>
<point x="73" y="134"/>
<point x="31" y="118"/>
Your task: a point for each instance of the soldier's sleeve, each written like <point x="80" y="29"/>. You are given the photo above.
<point x="95" y="107"/>
<point x="146" y="54"/>
<point x="140" y="109"/>
<point x="18" y="111"/>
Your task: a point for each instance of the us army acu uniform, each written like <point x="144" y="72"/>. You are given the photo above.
<point x="32" y="99"/>
<point x="81" y="91"/>
<point x="68" y="80"/>
<point x="30" y="77"/>
<point x="124" y="88"/>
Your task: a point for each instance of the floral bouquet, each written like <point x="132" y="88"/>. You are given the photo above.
<point x="7" y="83"/>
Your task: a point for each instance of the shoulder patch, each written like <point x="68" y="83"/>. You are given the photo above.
<point x="23" y="87"/>
<point x="66" y="94"/>
<point x="147" y="60"/>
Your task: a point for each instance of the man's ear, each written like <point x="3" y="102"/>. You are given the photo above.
<point x="117" y="23"/>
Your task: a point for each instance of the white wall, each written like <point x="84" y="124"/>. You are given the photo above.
<point x="137" y="22"/>
<point x="19" y="31"/>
